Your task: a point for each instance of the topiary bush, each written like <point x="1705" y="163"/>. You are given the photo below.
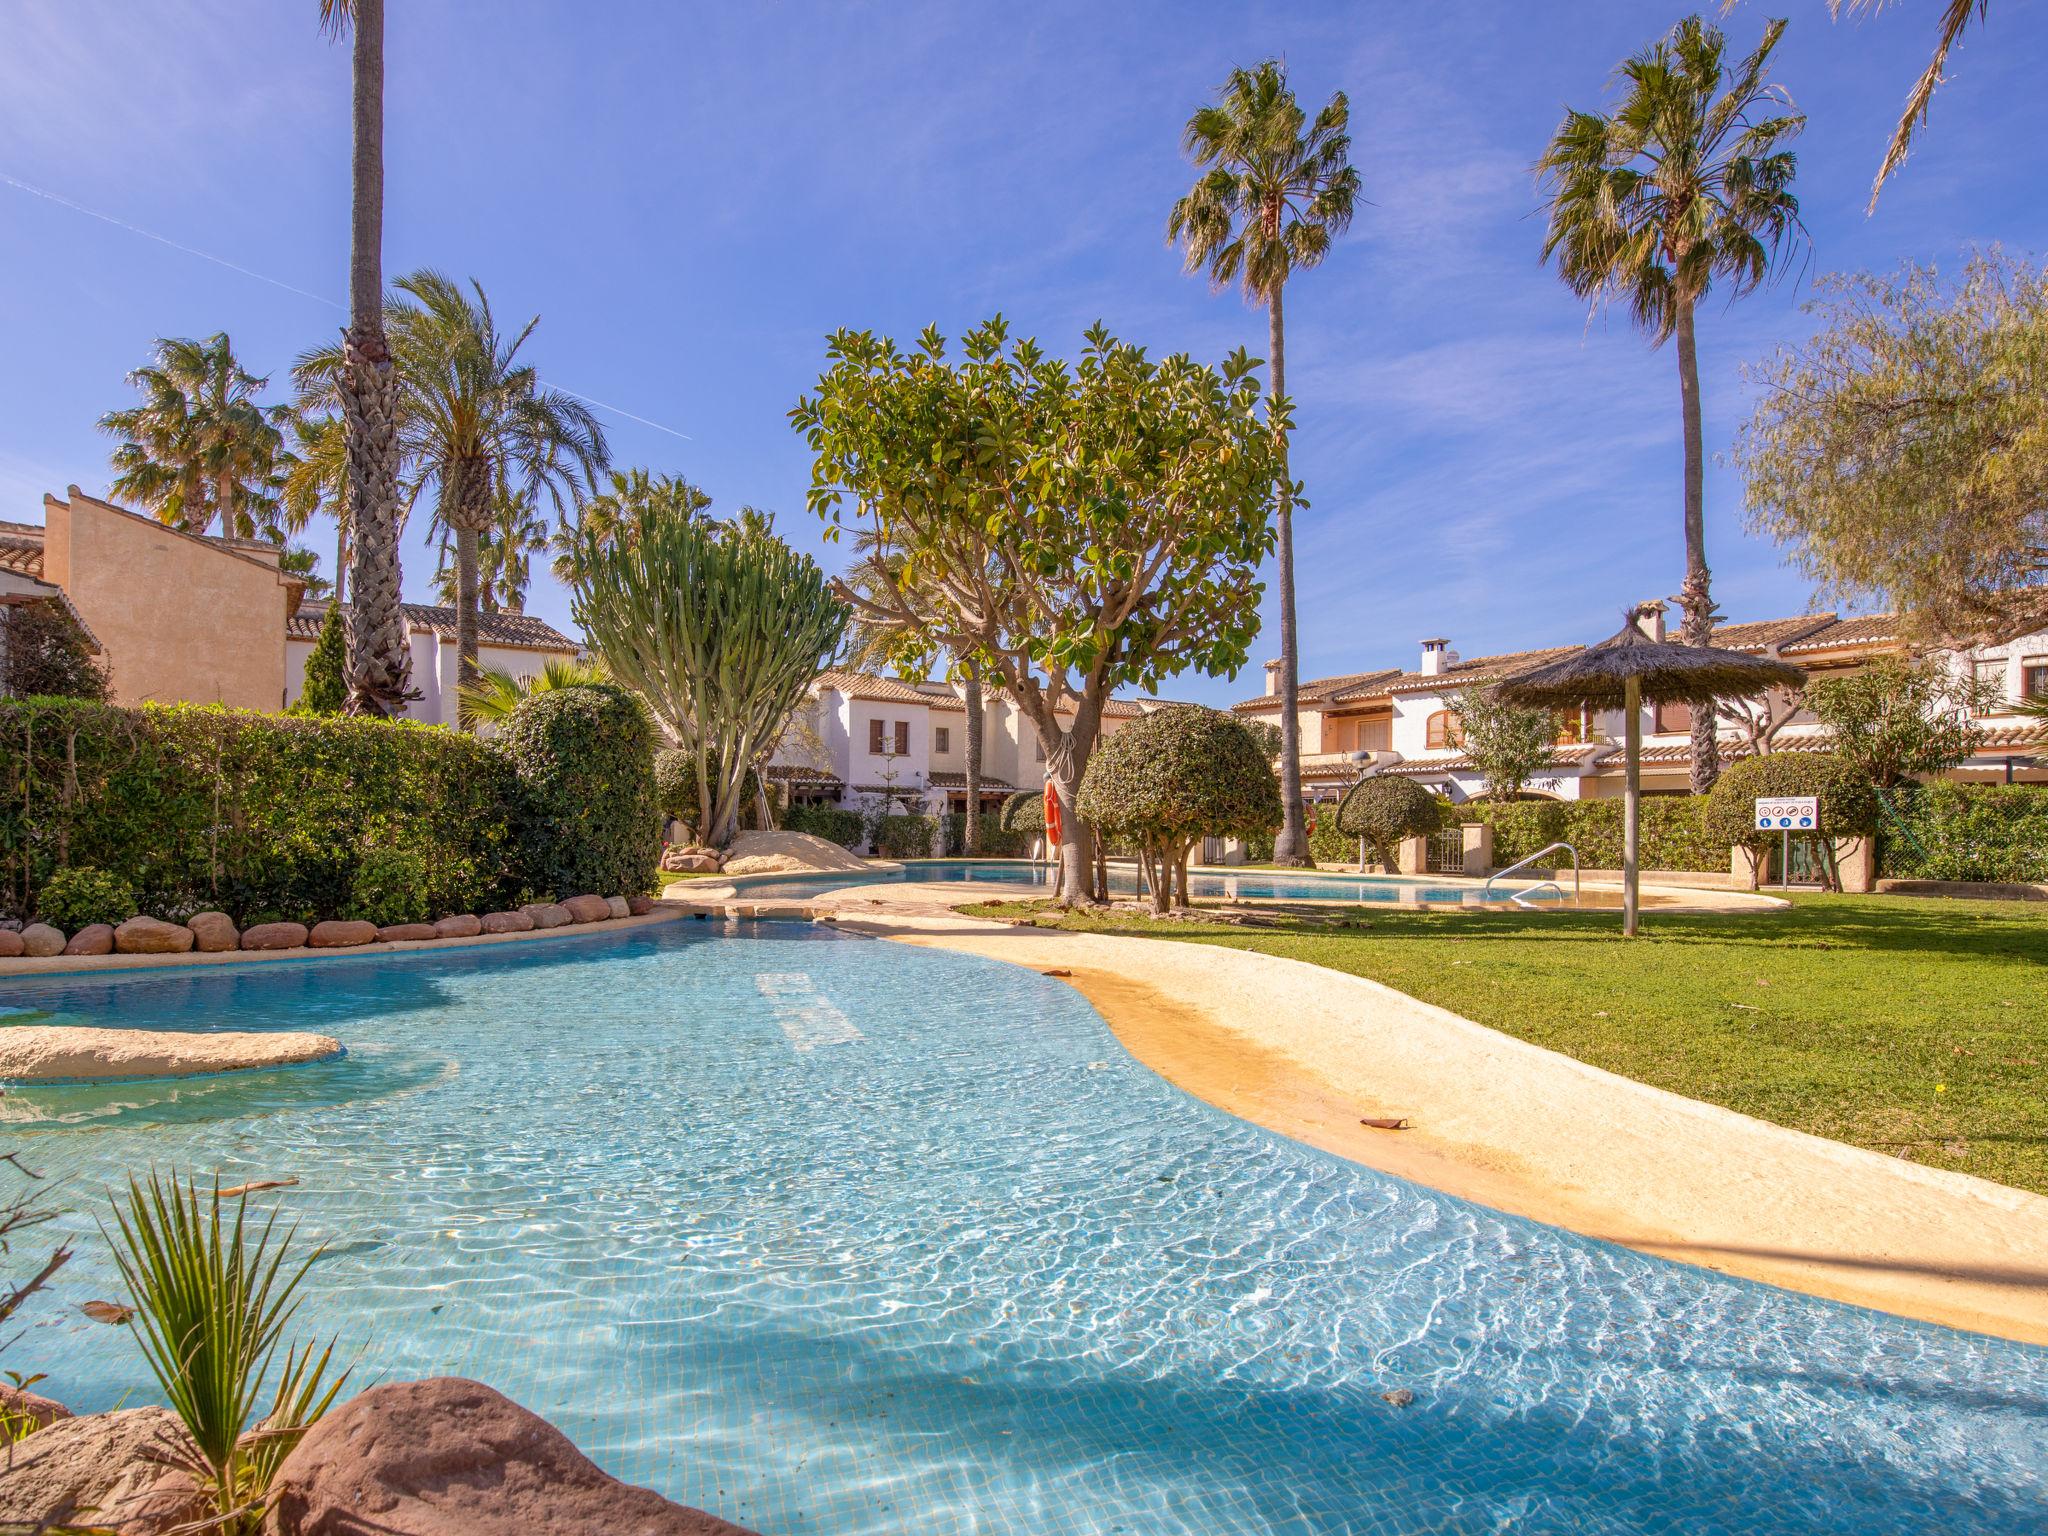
<point x="1173" y="777"/>
<point x="1384" y="810"/>
<point x="200" y="806"/>
<point x="1024" y="813"/>
<point x="846" y="828"/>
<point x="80" y="896"/>
<point x="326" y="687"/>
<point x="1848" y="803"/>
<point x="586" y="815"/>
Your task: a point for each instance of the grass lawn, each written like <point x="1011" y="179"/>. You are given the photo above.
<point x="1914" y="1026"/>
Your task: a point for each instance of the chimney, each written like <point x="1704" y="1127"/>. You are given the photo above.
<point x="1650" y="619"/>
<point x="1436" y="657"/>
<point x="1272" y="679"/>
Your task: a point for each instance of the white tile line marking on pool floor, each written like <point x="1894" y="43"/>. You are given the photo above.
<point x="808" y="1019"/>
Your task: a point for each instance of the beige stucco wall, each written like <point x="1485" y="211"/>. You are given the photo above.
<point x="181" y="620"/>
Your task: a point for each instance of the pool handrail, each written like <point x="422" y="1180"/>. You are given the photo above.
<point x="1486" y="890"/>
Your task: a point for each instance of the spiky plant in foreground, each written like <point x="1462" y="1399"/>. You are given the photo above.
<point x="212" y="1297"/>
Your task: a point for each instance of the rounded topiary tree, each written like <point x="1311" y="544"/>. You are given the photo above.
<point x="1384" y="810"/>
<point x="1024" y="812"/>
<point x="1173" y="777"/>
<point x="587" y="818"/>
<point x="1848" y="805"/>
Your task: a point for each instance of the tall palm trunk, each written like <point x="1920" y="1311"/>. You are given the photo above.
<point x="341" y="556"/>
<point x="970" y="835"/>
<point x="468" y="514"/>
<point x="1696" y="597"/>
<point x="1291" y="846"/>
<point x="378" y="659"/>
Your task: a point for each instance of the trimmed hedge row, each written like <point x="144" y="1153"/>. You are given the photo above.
<point x="1672" y="827"/>
<point x="846" y="828"/>
<point x="1965" y="832"/>
<point x="271" y="817"/>
<point x="997" y="842"/>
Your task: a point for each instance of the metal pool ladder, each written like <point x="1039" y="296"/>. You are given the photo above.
<point x="1519" y="897"/>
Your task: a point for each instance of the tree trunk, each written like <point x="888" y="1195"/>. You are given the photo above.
<point x="465" y="605"/>
<point x="341" y="554"/>
<point x="1291" y="845"/>
<point x="1066" y="758"/>
<point x="970" y="836"/>
<point x="1696" y="596"/>
<point x="378" y="656"/>
<point x="1632" y="803"/>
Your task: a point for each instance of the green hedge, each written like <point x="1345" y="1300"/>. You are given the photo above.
<point x="1966" y="832"/>
<point x="846" y="828"/>
<point x="1672" y="828"/>
<point x="996" y="841"/>
<point x="899" y="835"/>
<point x="587" y="815"/>
<point x="256" y="815"/>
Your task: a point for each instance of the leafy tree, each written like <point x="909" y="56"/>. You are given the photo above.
<point x="365" y="390"/>
<point x="1684" y="184"/>
<point x="722" y="637"/>
<point x="1170" y="779"/>
<point x="44" y="654"/>
<point x="492" y="696"/>
<point x="1955" y="18"/>
<point x="1902" y="452"/>
<point x="1064" y="529"/>
<point x="316" y="480"/>
<point x="1898" y="718"/>
<point x="1510" y="745"/>
<point x="1277" y="189"/>
<point x="675" y="790"/>
<point x="1848" y="805"/>
<point x="326" y="690"/>
<point x="1384" y="810"/>
<point x="631" y="499"/>
<point x="201" y="449"/>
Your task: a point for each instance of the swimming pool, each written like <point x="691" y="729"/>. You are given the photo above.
<point x="1254" y="885"/>
<point x="831" y="1235"/>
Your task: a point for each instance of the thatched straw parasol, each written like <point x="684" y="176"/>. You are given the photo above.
<point x="1625" y="670"/>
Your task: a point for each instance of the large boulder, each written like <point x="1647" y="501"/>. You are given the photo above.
<point x="690" y="861"/>
<point x="406" y="933"/>
<point x="96" y="1471"/>
<point x="38" y="1410"/>
<point x="213" y="932"/>
<point x="49" y="1052"/>
<point x="153" y="936"/>
<point x="588" y="909"/>
<point x="507" y="922"/>
<point x="40" y="940"/>
<point x="618" y="906"/>
<point x="548" y="914"/>
<point x="341" y="933"/>
<point x="12" y="943"/>
<point x="449" y="1457"/>
<point x="275" y="936"/>
<point x="92" y="939"/>
<point x="463" y="925"/>
<point x="639" y="906"/>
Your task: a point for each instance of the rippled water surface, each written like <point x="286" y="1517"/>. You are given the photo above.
<point x="838" y="1236"/>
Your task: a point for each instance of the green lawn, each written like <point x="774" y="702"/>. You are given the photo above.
<point x="1917" y="1027"/>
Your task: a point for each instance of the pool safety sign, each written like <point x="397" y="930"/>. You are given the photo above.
<point x="1788" y="813"/>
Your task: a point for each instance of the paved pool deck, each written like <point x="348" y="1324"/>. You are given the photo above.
<point x="1307" y="1052"/>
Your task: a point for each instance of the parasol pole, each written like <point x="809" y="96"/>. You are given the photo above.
<point x="1632" y="800"/>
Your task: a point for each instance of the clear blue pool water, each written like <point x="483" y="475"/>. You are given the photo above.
<point x="1255" y="885"/>
<point x="837" y="1236"/>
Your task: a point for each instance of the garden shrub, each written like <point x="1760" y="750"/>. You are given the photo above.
<point x="675" y="790"/>
<point x="1024" y="813"/>
<point x="200" y="806"/>
<point x="899" y="835"/>
<point x="43" y="653"/>
<point x="1948" y="831"/>
<point x="404" y="885"/>
<point x="586" y="814"/>
<point x="325" y="690"/>
<point x="846" y="828"/>
<point x="997" y="842"/>
<point x="1671" y="828"/>
<point x="78" y="897"/>
<point x="1384" y="810"/>
<point x="1848" y="803"/>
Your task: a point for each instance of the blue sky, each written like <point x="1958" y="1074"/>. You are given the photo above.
<point x="690" y="197"/>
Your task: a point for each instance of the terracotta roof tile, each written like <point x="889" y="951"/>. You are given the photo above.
<point x="1479" y="669"/>
<point x="1317" y="689"/>
<point x="1869" y="629"/>
<point x="21" y="548"/>
<point x="1760" y="634"/>
<point x="945" y="778"/>
<point x="868" y="685"/>
<point x="798" y="773"/>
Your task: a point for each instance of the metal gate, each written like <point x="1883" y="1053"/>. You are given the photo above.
<point x="1445" y="854"/>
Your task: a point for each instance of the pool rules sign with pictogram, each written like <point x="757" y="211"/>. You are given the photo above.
<point x="1788" y="813"/>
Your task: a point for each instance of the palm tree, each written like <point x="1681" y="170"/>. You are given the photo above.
<point x="1684" y="183"/>
<point x="201" y="449"/>
<point x="379" y="654"/>
<point x="503" y="570"/>
<point x="1955" y="17"/>
<point x="490" y="697"/>
<point x="630" y="498"/>
<point x="317" y="481"/>
<point x="1277" y="191"/>
<point x="474" y="423"/>
<point x="303" y="566"/>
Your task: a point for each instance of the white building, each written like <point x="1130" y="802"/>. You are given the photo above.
<point x="516" y="643"/>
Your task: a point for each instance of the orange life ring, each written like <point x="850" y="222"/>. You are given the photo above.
<point x="1052" y="814"/>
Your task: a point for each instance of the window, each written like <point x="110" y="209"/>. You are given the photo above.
<point x="1671" y="719"/>
<point x="942" y="739"/>
<point x="1442" y="731"/>
<point x="902" y="738"/>
<point x="1989" y="676"/>
<point x="2034" y="677"/>
<point x="1573" y="726"/>
<point x="875" y="739"/>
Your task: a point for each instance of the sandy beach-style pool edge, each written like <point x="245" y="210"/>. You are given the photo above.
<point x="1305" y="1051"/>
